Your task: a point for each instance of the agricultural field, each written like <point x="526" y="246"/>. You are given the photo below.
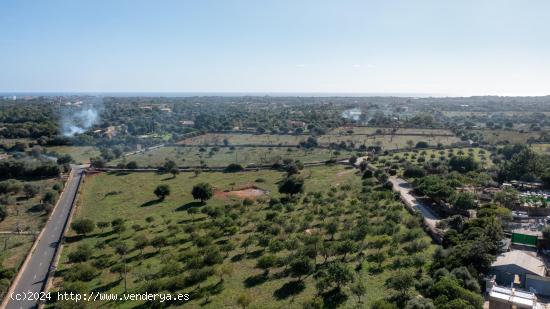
<point x="504" y="113"/>
<point x="244" y="139"/>
<point x="80" y="154"/>
<point x="24" y="213"/>
<point x="420" y="157"/>
<point x="236" y="248"/>
<point x="376" y="130"/>
<point x="386" y="141"/>
<point x="223" y="156"/>
<point x="13" y="250"/>
<point x="506" y="136"/>
<point x="541" y="148"/>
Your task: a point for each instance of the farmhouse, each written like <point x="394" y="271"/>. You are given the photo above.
<point x="522" y="269"/>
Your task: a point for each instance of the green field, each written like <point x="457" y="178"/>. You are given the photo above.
<point x="420" y="157"/>
<point x="223" y="156"/>
<point x="16" y="247"/>
<point x="22" y="213"/>
<point x="506" y="136"/>
<point x="386" y="141"/>
<point x="80" y="154"/>
<point x="377" y="130"/>
<point x="331" y="192"/>
<point x="389" y="142"/>
<point x="541" y="148"/>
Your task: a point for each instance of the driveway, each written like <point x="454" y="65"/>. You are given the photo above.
<point x="405" y="190"/>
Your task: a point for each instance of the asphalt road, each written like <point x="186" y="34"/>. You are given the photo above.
<point x="35" y="274"/>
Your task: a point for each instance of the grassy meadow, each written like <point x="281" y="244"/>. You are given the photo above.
<point x="194" y="231"/>
<point x="223" y="156"/>
<point x="386" y="141"/>
<point x="80" y="154"/>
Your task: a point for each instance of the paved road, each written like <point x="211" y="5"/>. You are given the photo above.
<point x="35" y="274"/>
<point x="405" y="189"/>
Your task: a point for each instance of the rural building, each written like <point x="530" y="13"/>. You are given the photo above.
<point x="522" y="269"/>
<point x="187" y="123"/>
<point x="509" y="298"/>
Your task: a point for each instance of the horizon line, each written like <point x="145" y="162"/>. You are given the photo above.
<point x="261" y="93"/>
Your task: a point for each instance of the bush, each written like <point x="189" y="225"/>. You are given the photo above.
<point x="83" y="226"/>
<point x="82" y="253"/>
<point x="81" y="272"/>
<point x="367" y="174"/>
<point x="233" y="168"/>
<point x="413" y="171"/>
<point x="422" y="144"/>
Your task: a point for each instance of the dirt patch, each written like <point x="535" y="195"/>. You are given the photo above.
<point x="251" y="192"/>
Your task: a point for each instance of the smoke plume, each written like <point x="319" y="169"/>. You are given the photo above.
<point x="79" y="117"/>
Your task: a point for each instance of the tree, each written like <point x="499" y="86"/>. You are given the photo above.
<point x="31" y="190"/>
<point x="102" y="225"/>
<point x="301" y="266"/>
<point x="83" y="226"/>
<point x="422" y="144"/>
<point x="233" y="168"/>
<point x="244" y="300"/>
<point x="141" y="242"/>
<point x="132" y="165"/>
<point x="464" y="200"/>
<point x="339" y="274"/>
<point x="420" y="303"/>
<point x="292" y="185"/>
<point x="332" y="228"/>
<point x="249" y="241"/>
<point x="50" y="197"/>
<point x="508" y="198"/>
<point x="413" y="171"/>
<point x="82" y="253"/>
<point x="121" y="248"/>
<point x="202" y="191"/>
<point x="224" y="270"/>
<point x="402" y="282"/>
<point x="159" y="242"/>
<point x="168" y="166"/>
<point x="463" y="164"/>
<point x="359" y="289"/>
<point x="162" y="191"/>
<point x="174" y="171"/>
<point x="266" y="262"/>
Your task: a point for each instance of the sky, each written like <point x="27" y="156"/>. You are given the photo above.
<point x="454" y="48"/>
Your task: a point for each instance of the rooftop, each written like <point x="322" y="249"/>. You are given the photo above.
<point x="522" y="259"/>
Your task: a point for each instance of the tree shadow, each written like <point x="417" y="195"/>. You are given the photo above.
<point x="334" y="298"/>
<point x="289" y="289"/>
<point x="237" y="257"/>
<point x="107" y="286"/>
<point x="255" y="254"/>
<point x="151" y="203"/>
<point x="36" y="208"/>
<point x="140" y="257"/>
<point x="189" y="205"/>
<point x="118" y="173"/>
<point x="253" y="281"/>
